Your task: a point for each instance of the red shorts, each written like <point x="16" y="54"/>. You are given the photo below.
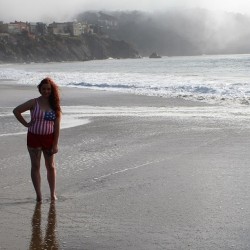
<point x="40" y="141"/>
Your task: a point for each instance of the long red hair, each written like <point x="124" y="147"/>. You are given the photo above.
<point x="54" y="98"/>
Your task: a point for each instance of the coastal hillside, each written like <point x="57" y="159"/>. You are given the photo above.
<point x="23" y="48"/>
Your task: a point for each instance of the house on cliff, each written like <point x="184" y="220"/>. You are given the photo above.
<point x="69" y="28"/>
<point x="101" y="21"/>
<point x="39" y="28"/>
<point x="14" y="27"/>
<point x="34" y="29"/>
<point x="107" y="22"/>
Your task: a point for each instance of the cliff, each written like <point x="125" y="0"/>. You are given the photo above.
<point x="22" y="48"/>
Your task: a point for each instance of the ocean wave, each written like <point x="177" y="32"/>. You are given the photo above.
<point x="210" y="94"/>
<point x="102" y="85"/>
<point x="195" y="78"/>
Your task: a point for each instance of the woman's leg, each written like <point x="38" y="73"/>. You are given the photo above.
<point x="35" y="157"/>
<point x="51" y="173"/>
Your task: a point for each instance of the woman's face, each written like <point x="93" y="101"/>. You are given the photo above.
<point x="45" y="90"/>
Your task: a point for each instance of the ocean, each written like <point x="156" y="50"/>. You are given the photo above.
<point x="223" y="79"/>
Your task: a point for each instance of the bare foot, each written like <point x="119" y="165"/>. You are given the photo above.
<point x="54" y="198"/>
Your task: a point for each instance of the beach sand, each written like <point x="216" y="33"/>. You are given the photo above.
<point x="147" y="180"/>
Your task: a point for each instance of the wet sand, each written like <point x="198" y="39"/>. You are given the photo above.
<point x="130" y="182"/>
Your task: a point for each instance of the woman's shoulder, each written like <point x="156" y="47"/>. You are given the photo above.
<point x="32" y="103"/>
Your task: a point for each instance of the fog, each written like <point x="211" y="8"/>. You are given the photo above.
<point x="170" y="27"/>
<point x="182" y="32"/>
<point x="58" y="10"/>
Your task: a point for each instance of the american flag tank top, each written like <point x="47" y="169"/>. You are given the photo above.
<point x="40" y="125"/>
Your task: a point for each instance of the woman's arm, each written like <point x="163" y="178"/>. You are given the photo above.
<point x="22" y="108"/>
<point x="57" y="124"/>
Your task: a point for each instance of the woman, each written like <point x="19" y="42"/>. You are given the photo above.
<point x="43" y="133"/>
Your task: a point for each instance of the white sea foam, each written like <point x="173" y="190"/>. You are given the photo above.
<point x="207" y="78"/>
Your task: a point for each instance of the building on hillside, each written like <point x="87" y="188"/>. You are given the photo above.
<point x="38" y="28"/>
<point x="75" y="29"/>
<point x="59" y="29"/>
<point x="3" y="27"/>
<point x="87" y="29"/>
<point x="107" y="22"/>
<point x="78" y="28"/>
<point x="95" y="29"/>
<point x="17" y="27"/>
<point x="34" y="29"/>
<point x="68" y="28"/>
<point x="100" y="21"/>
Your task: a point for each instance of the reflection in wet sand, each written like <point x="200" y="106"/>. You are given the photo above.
<point x="50" y="238"/>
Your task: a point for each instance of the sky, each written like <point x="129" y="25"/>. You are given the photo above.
<point x="58" y="10"/>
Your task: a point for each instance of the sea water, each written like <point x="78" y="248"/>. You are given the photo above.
<point x="209" y="78"/>
<point x="221" y="79"/>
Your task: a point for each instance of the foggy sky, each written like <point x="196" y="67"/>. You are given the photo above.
<point x="57" y="10"/>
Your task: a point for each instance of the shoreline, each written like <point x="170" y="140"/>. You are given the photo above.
<point x="85" y="96"/>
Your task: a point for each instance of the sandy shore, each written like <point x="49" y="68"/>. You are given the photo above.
<point x="130" y="182"/>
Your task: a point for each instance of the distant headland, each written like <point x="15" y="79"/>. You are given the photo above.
<point x="126" y="34"/>
<point x="67" y="41"/>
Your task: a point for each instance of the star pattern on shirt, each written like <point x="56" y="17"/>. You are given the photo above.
<point x="50" y="116"/>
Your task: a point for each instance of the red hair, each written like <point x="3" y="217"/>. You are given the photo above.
<point x="54" y="98"/>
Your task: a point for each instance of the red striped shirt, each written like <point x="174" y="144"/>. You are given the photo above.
<point x="40" y="126"/>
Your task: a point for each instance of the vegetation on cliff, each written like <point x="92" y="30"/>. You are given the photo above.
<point x="23" y="48"/>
